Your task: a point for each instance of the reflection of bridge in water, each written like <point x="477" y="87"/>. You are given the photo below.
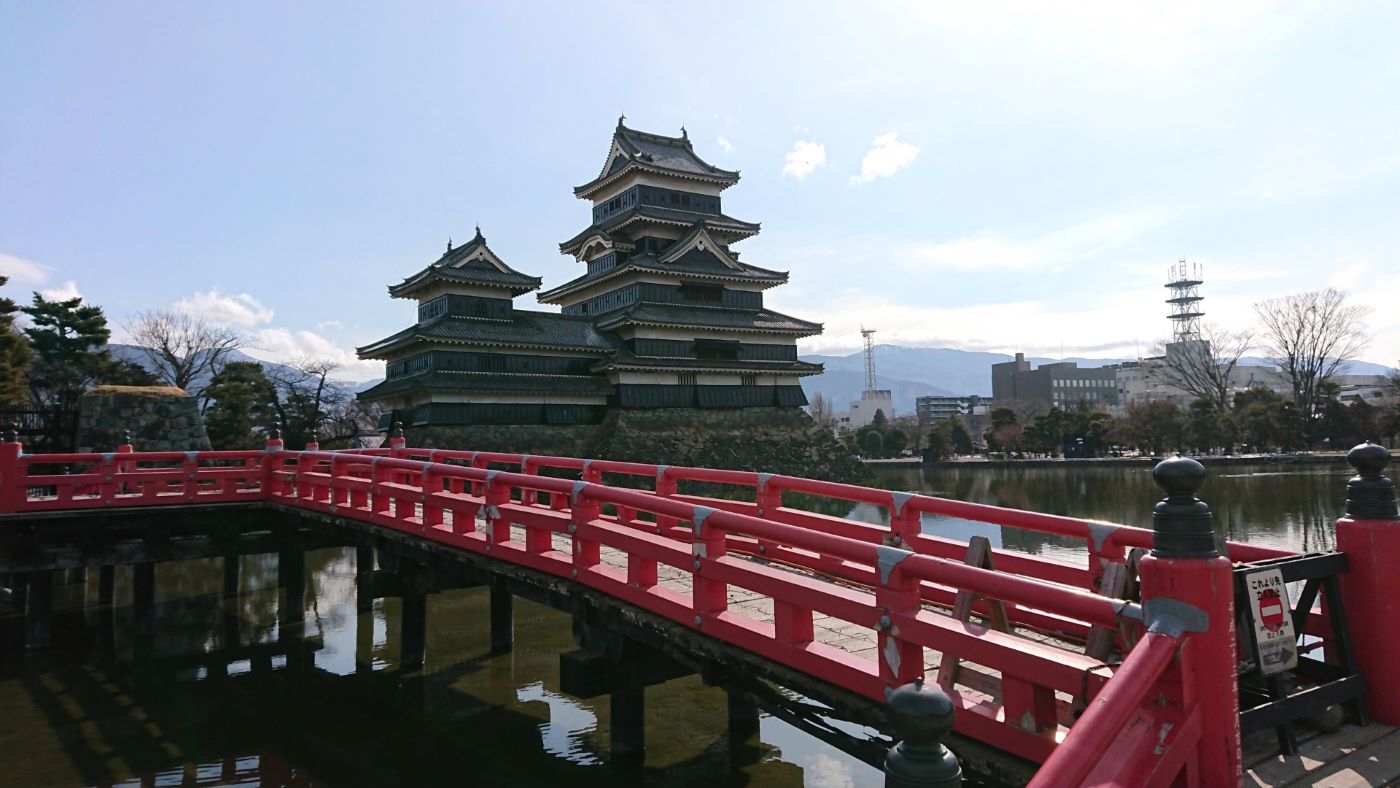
<point x="668" y="572"/>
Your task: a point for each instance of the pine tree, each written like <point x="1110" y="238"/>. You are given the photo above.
<point x="15" y="357"/>
<point x="240" y="401"/>
<point x="69" y="340"/>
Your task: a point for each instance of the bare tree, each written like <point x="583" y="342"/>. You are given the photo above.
<point x="1311" y="336"/>
<point x="820" y="410"/>
<point x="307" y="399"/>
<point x="1202" y="368"/>
<point x="184" y="350"/>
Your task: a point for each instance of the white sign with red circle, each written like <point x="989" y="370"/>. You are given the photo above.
<point x="1275" y="644"/>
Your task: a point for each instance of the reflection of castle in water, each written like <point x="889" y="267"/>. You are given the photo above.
<point x="195" y="667"/>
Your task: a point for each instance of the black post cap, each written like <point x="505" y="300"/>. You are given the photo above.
<point x="126" y="437"/>
<point x="921" y="715"/>
<point x="1370" y="493"/>
<point x="11" y="434"/>
<point x="276" y="432"/>
<point x="1181" y="522"/>
<point x="397" y="431"/>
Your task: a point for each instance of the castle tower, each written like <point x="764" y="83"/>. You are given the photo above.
<point x="662" y="278"/>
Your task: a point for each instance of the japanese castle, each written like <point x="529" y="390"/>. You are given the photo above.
<point x="664" y="315"/>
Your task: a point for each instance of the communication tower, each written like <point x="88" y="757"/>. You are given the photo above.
<point x="869" y="335"/>
<point x="1184" y="281"/>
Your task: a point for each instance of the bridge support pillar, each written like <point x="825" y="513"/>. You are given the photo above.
<point x="106" y="585"/>
<point x="413" y="623"/>
<point x="627" y="742"/>
<point x="364" y="578"/>
<point x="38" y="610"/>
<point x="232" y="568"/>
<point x="291" y="576"/>
<point x="1369" y="535"/>
<point x="502" y="616"/>
<point x="743" y="718"/>
<point x="143" y="603"/>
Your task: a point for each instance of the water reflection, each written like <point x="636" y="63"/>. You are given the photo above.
<point x="216" y="686"/>
<point x="1294" y="507"/>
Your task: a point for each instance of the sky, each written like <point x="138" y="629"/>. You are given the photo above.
<point x="1007" y="177"/>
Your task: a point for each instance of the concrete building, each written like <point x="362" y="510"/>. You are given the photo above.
<point x="937" y="408"/>
<point x="862" y="411"/>
<point x="1062" y="384"/>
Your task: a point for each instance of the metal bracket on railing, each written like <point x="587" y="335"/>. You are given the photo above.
<point x="698" y="516"/>
<point x="898" y="500"/>
<point x="763" y="481"/>
<point x="1099" y="532"/>
<point x="1165" y="615"/>
<point x="887" y="558"/>
<point x="586" y="465"/>
<point x="524" y="458"/>
<point x="661" y="473"/>
<point x="573" y="493"/>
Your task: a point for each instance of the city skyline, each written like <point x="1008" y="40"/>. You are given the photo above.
<point x="1005" y="178"/>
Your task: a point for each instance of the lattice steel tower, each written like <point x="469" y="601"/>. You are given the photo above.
<point x="869" y="335"/>
<point x="1184" y="281"/>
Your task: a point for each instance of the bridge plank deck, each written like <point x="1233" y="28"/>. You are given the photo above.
<point x="1352" y="756"/>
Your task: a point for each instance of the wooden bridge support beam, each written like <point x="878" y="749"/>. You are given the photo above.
<point x="291" y="577"/>
<point x="413" y="616"/>
<point x="38" y="610"/>
<point x="143" y="603"/>
<point x="627" y="739"/>
<point x="743" y="718"/>
<point x="106" y="585"/>
<point x="502" y="616"/>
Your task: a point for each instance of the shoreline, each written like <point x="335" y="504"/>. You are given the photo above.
<point x="1319" y="458"/>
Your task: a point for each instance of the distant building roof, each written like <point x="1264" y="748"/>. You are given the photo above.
<point x="473" y="263"/>
<point x="634" y="151"/>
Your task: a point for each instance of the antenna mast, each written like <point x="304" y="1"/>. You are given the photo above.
<point x="1184" y="281"/>
<point x="869" y="335"/>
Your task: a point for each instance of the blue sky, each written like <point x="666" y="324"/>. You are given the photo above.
<point x="986" y="176"/>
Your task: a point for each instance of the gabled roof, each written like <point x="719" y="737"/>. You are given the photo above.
<point x="524" y="329"/>
<point x="473" y="263"/>
<point x="641" y="151"/>
<point x="718" y="224"/>
<point x="710" y="318"/>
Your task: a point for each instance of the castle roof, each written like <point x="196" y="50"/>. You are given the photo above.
<point x="719" y="224"/>
<point x="497" y="382"/>
<point x="470" y="264"/>
<point x="524" y="329"/>
<point x="641" y="151"/>
<point x="709" y="318"/>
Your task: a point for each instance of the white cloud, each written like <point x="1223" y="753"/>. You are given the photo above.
<point x="238" y="310"/>
<point x="886" y="157"/>
<point x="804" y="157"/>
<point x="1079" y="242"/>
<point x="22" y="271"/>
<point x="63" y="292"/>
<point x="286" y="345"/>
<point x="725" y="144"/>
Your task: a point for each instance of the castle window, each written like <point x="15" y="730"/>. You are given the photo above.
<point x="748" y="380"/>
<point x="687" y="378"/>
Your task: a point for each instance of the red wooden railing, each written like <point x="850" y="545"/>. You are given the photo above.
<point x="891" y="579"/>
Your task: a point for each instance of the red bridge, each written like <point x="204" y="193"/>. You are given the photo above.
<point x="1121" y="671"/>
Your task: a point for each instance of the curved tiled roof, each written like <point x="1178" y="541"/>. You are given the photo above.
<point x="524" y="329"/>
<point x="713" y="222"/>
<point x="714" y="318"/>
<point x="487" y="273"/>
<point x="646" y="151"/>
<point x="447" y="380"/>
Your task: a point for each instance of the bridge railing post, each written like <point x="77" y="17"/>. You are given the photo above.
<point x="1187" y="585"/>
<point x="1369" y="535"/>
<point x="397" y="443"/>
<point x="921" y="715"/>
<point x="11" y="474"/>
<point x="710" y="597"/>
<point x="272" y="462"/>
<point x="901" y="661"/>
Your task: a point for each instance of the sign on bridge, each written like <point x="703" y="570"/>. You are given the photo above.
<point x="1275" y="642"/>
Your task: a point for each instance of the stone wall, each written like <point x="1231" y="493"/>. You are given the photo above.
<point x="158" y="418"/>
<point x="774" y="440"/>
